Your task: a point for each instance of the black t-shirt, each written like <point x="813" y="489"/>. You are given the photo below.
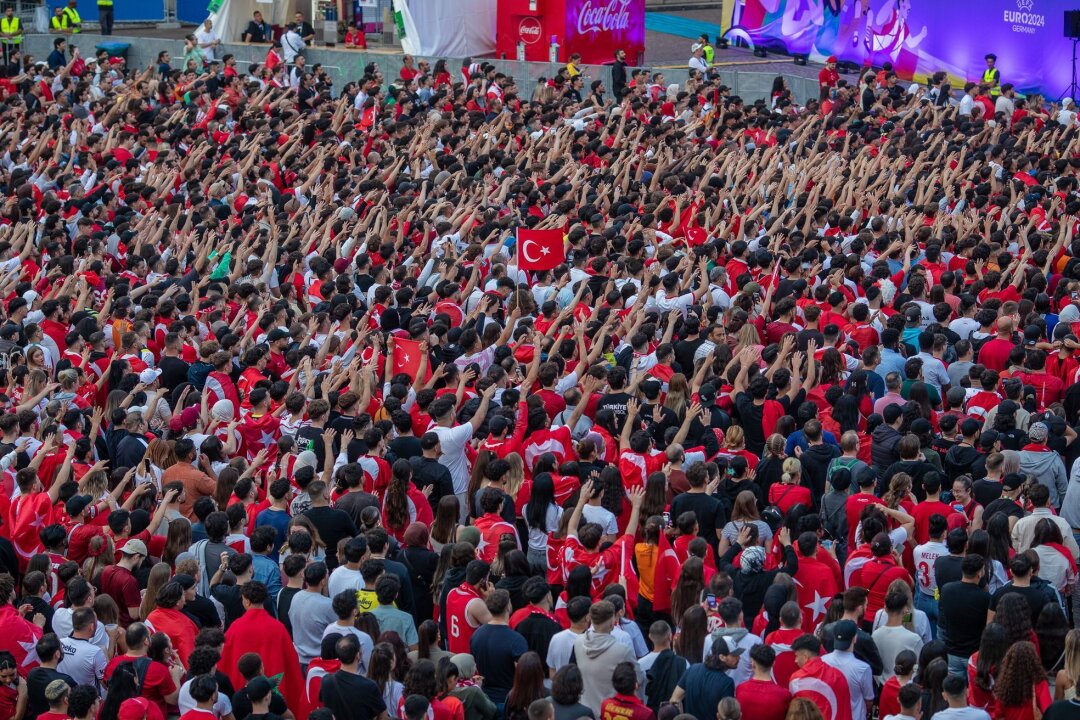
<point x="203" y="612"/>
<point x="406" y="447"/>
<point x="260" y="716"/>
<point x="947" y="569"/>
<point x="711" y="513"/>
<point x="174" y="371"/>
<point x="241" y="706"/>
<point x="354" y="502"/>
<point x="985" y="492"/>
<point x="496" y="649"/>
<point x="684" y="354"/>
<point x="538" y="629"/>
<point x="310" y="438"/>
<point x="333" y="525"/>
<point x="962" y="617"/>
<point x="36" y="681"/>
<point x="1063" y="710"/>
<point x="750" y="417"/>
<point x="428" y="471"/>
<point x="1036" y="598"/>
<point x="284" y="602"/>
<point x="352" y="697"/>
<point x="1005" y="505"/>
<point x="616" y="402"/>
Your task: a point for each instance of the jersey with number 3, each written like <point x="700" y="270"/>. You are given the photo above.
<point x="924" y="557"/>
<point x="458" y="624"/>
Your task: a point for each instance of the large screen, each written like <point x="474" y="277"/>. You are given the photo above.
<point x="921" y="37"/>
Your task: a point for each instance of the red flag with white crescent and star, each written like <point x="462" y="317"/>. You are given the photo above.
<point x="261" y="433"/>
<point x="19" y="637"/>
<point x="27" y="516"/>
<point x="665" y="573"/>
<point x="540" y="249"/>
<point x="407" y="355"/>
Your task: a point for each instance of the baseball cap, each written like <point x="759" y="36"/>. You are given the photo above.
<point x="844" y="634"/>
<point x="707" y="395"/>
<point x="149" y="375"/>
<point x="1012" y="481"/>
<point x="189" y="416"/>
<point x="56" y="690"/>
<point x="184" y="580"/>
<point x="1007" y="407"/>
<point x="134" y="547"/>
<point x="726" y="645"/>
<point x="135" y="708"/>
<point x="1032" y="335"/>
<point x="277" y="334"/>
<point x="988" y="438"/>
<point x="258" y="688"/>
<point x="77" y="504"/>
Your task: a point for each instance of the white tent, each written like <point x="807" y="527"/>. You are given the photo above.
<point x="234" y="15"/>
<point x="462" y="28"/>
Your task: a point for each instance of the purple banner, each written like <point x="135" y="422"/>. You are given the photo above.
<point x="921" y="37"/>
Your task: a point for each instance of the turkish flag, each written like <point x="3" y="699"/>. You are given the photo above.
<point x="407" y="355"/>
<point x="19" y="637"/>
<point x="540" y="249"/>
<point x="665" y="574"/>
<point x="27" y="516"/>
<point x="259" y="433"/>
<point x="816" y="585"/>
<point x="825" y="686"/>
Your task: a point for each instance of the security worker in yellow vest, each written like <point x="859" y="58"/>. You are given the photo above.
<point x="10" y="33"/>
<point x="74" y="22"/>
<point x="59" y="22"/>
<point x="105" y="16"/>
<point x="992" y="76"/>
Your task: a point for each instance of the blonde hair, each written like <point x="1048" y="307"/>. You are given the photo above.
<point x="791" y="468"/>
<point x="728" y="709"/>
<point x="899" y="487"/>
<point x="747" y="337"/>
<point x="516" y="476"/>
<point x="678" y="394"/>
<point x="1072" y="656"/>
<point x="735" y="437"/>
<point x="160" y="574"/>
<point x="774" y="445"/>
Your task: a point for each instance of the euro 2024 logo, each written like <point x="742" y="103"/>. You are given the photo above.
<point x="1023" y="19"/>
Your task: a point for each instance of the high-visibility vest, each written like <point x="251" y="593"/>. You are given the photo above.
<point x="990" y="76"/>
<point x="59" y="22"/>
<point x="710" y="53"/>
<point x="105" y="3"/>
<point x="11" y="25"/>
<point x="73" y="20"/>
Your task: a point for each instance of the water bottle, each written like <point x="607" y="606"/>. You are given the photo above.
<point x="521" y="51"/>
<point x="553" y="52"/>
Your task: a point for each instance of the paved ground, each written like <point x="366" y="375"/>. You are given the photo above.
<point x="662" y="49"/>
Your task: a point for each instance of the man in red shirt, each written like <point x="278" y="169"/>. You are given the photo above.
<point x="57" y="694"/>
<point x="625" y="705"/>
<point x="1049" y="389"/>
<point x="855" y="504"/>
<point x="994" y="354"/>
<point x="828" y="78"/>
<point x="160" y="684"/>
<point x="932" y="505"/>
<point x="119" y="583"/>
<point x="760" y="696"/>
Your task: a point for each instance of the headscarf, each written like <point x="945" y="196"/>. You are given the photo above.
<point x="416" y="535"/>
<point x="753" y="560"/>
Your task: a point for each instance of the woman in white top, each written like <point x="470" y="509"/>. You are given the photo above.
<point x="541" y="515"/>
<point x="1054" y="566"/>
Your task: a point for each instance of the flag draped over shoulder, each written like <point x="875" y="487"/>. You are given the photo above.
<point x="19" y="637"/>
<point x="258" y="632"/>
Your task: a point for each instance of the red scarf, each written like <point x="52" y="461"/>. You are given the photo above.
<point x="1065" y="553"/>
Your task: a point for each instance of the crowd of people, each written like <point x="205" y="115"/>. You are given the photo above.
<point x="293" y="427"/>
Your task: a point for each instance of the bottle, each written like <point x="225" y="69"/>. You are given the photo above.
<point x="521" y="51"/>
<point x="553" y="52"/>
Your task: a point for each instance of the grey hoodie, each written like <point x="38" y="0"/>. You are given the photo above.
<point x="596" y="655"/>
<point x="1048" y="469"/>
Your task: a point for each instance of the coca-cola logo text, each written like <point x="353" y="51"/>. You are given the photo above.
<point x="600" y="17"/>
<point x="529" y="30"/>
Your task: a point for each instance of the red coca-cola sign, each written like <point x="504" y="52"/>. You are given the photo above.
<point x="529" y="30"/>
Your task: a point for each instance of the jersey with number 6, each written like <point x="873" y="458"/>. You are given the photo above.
<point x="458" y="624"/>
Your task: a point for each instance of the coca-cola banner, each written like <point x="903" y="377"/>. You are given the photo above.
<point x="920" y="37"/>
<point x="597" y="28"/>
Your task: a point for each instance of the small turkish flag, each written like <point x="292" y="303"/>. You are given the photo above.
<point x="407" y="354"/>
<point x="540" y="249"/>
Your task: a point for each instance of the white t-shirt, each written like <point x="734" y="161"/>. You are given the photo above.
<point x="602" y="517"/>
<point x="222" y="707"/>
<point x="560" y="648"/>
<point x="343" y="579"/>
<point x="84" y="661"/>
<point x="891" y="641"/>
<point x="61" y="625"/>
<point x="963" y="713"/>
<point x="453" y="441"/>
<point x="204" y="37"/>
<point x="366" y="643"/>
<point x="538" y="537"/>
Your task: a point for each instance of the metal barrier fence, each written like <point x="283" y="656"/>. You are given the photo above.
<point x="346" y="65"/>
